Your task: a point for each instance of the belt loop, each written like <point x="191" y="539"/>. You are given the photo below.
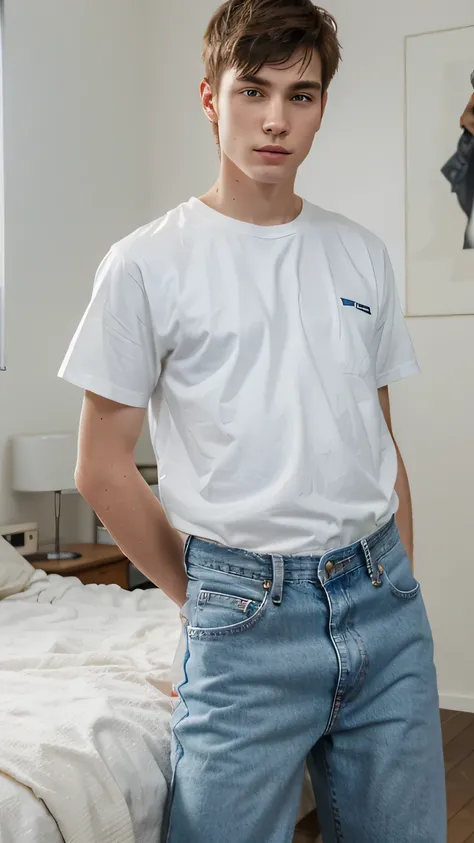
<point x="187" y="545"/>
<point x="374" y="575"/>
<point x="278" y="567"/>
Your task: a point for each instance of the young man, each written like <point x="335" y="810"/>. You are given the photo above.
<point x="263" y="331"/>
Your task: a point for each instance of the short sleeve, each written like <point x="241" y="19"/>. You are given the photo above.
<point x="396" y="357"/>
<point x="113" y="352"/>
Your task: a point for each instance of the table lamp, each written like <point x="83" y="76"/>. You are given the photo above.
<point x="46" y="463"/>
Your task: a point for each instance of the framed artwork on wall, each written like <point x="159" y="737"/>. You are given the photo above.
<point x="440" y="173"/>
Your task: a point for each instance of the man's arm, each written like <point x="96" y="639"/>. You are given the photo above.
<point x="404" y="516"/>
<point x="107" y="477"/>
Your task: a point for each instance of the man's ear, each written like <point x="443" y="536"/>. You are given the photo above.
<point x="208" y="101"/>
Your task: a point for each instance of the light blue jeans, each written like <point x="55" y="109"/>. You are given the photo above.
<point x="288" y="659"/>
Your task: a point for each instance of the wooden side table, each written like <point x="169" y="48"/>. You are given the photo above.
<point x="99" y="563"/>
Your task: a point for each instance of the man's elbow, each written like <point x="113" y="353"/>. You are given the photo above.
<point x="93" y="478"/>
<point x="87" y="483"/>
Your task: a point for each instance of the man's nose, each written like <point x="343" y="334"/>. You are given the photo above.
<point x="276" y="122"/>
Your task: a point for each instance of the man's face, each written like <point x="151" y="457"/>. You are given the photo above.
<point x="280" y="107"/>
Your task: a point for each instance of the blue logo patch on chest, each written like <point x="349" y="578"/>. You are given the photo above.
<point x="350" y="303"/>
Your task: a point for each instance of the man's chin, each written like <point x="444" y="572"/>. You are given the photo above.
<point x="270" y="175"/>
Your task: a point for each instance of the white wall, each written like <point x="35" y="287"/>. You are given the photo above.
<point x="357" y="167"/>
<point x="78" y="103"/>
<point x="364" y="140"/>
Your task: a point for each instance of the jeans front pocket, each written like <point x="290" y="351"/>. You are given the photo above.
<point x="224" y="604"/>
<point x="398" y="573"/>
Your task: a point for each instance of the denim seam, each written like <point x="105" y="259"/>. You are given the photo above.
<point x="251" y="575"/>
<point x="379" y="551"/>
<point x="357" y="686"/>
<point x="332" y="789"/>
<point x="362" y="652"/>
<point x="206" y="593"/>
<point x="180" y="753"/>
<point x="335" y="708"/>
<point x="237" y="572"/>
<point x="342" y="687"/>
<point x="384" y="553"/>
<point x="236" y="551"/>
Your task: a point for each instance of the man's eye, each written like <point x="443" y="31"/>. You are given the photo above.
<point x="251" y="92"/>
<point x="302" y="98"/>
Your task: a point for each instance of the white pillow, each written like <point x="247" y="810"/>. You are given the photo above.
<point x="15" y="572"/>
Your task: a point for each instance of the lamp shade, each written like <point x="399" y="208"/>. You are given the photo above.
<point x="44" y="462"/>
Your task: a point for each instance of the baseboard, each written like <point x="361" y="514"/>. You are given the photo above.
<point x="456" y="703"/>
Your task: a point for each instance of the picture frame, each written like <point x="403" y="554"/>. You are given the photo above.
<point x="439" y="265"/>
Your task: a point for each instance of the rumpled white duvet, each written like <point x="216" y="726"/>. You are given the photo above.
<point x="84" y="712"/>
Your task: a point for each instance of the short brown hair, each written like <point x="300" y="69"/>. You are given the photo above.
<point x="246" y="34"/>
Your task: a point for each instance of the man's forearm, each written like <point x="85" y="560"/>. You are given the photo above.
<point x="136" y="521"/>
<point x="404" y="516"/>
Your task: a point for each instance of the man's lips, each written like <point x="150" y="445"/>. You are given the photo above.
<point x="275" y="150"/>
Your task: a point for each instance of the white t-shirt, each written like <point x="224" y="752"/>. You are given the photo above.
<point x="259" y="350"/>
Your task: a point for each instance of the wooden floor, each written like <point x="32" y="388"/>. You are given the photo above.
<point x="458" y="739"/>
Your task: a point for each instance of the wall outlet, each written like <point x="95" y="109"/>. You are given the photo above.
<point x="23" y="537"/>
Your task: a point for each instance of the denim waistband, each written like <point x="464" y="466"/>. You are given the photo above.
<point x="270" y="566"/>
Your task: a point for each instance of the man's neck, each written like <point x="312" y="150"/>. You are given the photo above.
<point x="236" y="195"/>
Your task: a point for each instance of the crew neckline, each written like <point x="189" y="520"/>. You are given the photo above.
<point x="240" y="226"/>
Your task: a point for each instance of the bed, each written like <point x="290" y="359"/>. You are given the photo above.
<point x="84" y="708"/>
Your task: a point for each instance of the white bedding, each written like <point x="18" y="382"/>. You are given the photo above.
<point x="23" y="817"/>
<point x="84" y="712"/>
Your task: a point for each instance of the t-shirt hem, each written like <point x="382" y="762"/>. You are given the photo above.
<point x="189" y="528"/>
<point x="398" y="373"/>
<point x="105" y="389"/>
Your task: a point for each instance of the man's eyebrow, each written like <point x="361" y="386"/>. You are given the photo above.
<point x="307" y="85"/>
<point x="301" y="85"/>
